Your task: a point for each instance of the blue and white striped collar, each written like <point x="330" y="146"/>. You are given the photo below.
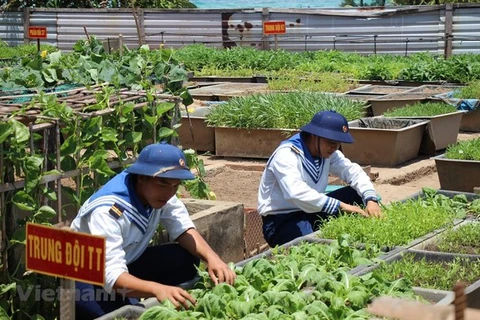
<point x="311" y="165"/>
<point x="120" y="191"/>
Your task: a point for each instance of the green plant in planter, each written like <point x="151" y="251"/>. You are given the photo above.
<point x="306" y="281"/>
<point x="464" y="150"/>
<point x="402" y="223"/>
<point x="428" y="109"/>
<point x="280" y="110"/>
<point x="427" y="274"/>
<point x="319" y="82"/>
<point x="471" y="91"/>
<point x="463" y="239"/>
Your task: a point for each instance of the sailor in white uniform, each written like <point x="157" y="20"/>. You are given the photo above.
<point x="291" y="196"/>
<point x="127" y="211"/>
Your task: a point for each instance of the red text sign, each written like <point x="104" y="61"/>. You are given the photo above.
<point x="274" y="27"/>
<point x="66" y="254"/>
<point x="37" y="32"/>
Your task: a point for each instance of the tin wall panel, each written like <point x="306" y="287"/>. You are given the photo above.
<point x="360" y="34"/>
<point x="384" y="31"/>
<point x="466" y="30"/>
<point x="11" y="27"/>
<point x="177" y="29"/>
<point x="46" y="19"/>
<point x="100" y="24"/>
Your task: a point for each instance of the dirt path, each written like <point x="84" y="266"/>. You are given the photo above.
<point x="237" y="180"/>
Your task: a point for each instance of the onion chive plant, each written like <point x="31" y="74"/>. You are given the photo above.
<point x="430" y="274"/>
<point x="323" y="82"/>
<point x="463" y="239"/>
<point x="281" y="110"/>
<point x="428" y="109"/>
<point x="402" y="223"/>
<point x="471" y="91"/>
<point x="464" y="150"/>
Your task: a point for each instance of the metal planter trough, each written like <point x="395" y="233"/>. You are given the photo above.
<point x="472" y="291"/>
<point x="249" y="143"/>
<point x="384" y="142"/>
<point x="457" y="175"/>
<point x="442" y="130"/>
<point x="430" y="245"/>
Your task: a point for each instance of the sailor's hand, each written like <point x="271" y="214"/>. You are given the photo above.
<point x="373" y="209"/>
<point x="178" y="296"/>
<point x="219" y="271"/>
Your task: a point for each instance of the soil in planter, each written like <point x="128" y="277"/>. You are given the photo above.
<point x="382" y="90"/>
<point x="386" y="123"/>
<point x="431" y="274"/>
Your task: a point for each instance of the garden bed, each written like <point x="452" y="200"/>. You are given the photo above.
<point x="401" y="225"/>
<point x="461" y="239"/>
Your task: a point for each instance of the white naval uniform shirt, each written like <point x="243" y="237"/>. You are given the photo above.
<point x="125" y="241"/>
<point x="286" y="187"/>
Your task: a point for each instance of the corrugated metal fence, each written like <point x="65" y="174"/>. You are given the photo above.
<point x="394" y="30"/>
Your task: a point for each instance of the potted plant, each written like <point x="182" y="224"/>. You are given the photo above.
<point x="253" y="126"/>
<point x="442" y="129"/>
<point x="384" y="142"/>
<point x="459" y="167"/>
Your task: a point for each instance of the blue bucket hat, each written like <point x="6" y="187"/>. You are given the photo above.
<point x="161" y="160"/>
<point x="330" y="125"/>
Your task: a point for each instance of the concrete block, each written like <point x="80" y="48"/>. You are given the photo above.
<point x="221" y="224"/>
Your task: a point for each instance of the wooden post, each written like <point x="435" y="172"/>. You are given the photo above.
<point x="67" y="299"/>
<point x="265" y="17"/>
<point x="276" y="42"/>
<point x="86" y="33"/>
<point x="26" y="25"/>
<point x="460" y="302"/>
<point x="120" y="44"/>
<point x="448" y="30"/>
<point x="137" y="24"/>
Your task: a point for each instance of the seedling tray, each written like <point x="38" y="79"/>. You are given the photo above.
<point x="426" y="245"/>
<point x="472" y="291"/>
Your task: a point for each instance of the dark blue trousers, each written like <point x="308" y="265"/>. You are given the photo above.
<point x="282" y="228"/>
<point x="168" y="264"/>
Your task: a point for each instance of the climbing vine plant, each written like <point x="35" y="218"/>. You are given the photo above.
<point x="92" y="138"/>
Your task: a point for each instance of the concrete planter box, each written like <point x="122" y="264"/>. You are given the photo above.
<point x="203" y="135"/>
<point x="249" y="143"/>
<point x="471" y="121"/>
<point x="442" y="131"/>
<point x="384" y="103"/>
<point x="457" y="175"/>
<point x="384" y="142"/>
<point x="221" y="224"/>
